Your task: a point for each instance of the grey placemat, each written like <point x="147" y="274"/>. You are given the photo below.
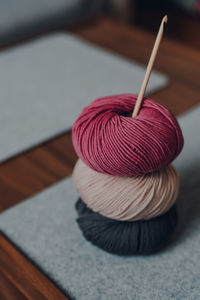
<point x="45" y="84"/>
<point x="22" y="18"/>
<point x="44" y="228"/>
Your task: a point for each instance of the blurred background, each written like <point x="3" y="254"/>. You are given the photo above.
<point x="184" y="17"/>
<point x="20" y="19"/>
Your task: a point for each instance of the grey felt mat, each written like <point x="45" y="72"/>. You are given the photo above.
<point x="45" y="84"/>
<point x="21" y="18"/>
<point x="44" y="228"/>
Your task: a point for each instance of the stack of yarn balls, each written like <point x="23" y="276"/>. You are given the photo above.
<point x="127" y="185"/>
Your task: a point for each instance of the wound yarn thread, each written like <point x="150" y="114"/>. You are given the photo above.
<point x="110" y="141"/>
<point x="127" y="186"/>
<point x="127" y="198"/>
<point x="124" y="237"/>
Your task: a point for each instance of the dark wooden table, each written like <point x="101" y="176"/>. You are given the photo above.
<point x="37" y="169"/>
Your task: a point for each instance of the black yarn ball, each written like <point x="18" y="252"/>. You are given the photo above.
<point x="124" y="237"/>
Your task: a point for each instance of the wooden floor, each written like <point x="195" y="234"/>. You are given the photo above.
<point x="19" y="279"/>
<point x="39" y="168"/>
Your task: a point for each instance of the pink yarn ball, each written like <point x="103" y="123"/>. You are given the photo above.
<point x="110" y="141"/>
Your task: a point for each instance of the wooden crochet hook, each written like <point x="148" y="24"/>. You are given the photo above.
<point x="149" y="67"/>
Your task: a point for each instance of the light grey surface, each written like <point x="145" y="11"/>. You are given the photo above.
<point x="21" y="18"/>
<point x="45" y="84"/>
<point x="44" y="228"/>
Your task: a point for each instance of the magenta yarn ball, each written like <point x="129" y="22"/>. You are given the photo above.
<point x="110" y="141"/>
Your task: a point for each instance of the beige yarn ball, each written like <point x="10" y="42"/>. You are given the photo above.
<point x="127" y="198"/>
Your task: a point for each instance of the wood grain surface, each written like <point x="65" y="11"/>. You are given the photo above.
<point x="38" y="168"/>
<point x="20" y="279"/>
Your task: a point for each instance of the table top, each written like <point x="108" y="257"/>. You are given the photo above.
<point x="46" y="164"/>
